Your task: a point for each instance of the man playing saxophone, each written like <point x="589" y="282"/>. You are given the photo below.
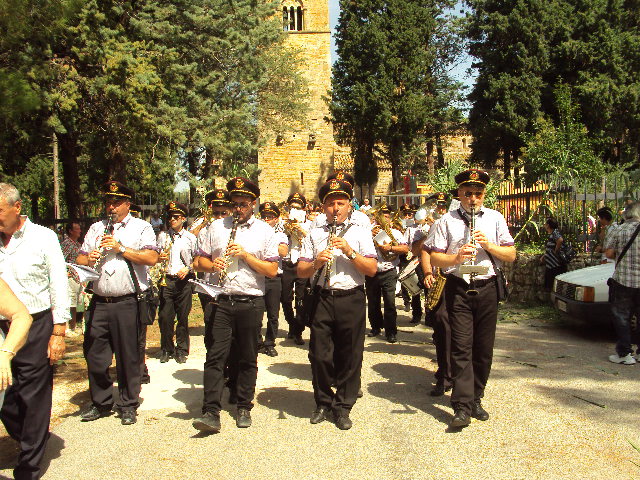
<point x="245" y="260"/>
<point x="383" y="283"/>
<point x="178" y="247"/>
<point x="471" y="299"/>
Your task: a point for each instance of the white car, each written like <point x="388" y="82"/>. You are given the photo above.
<point x="584" y="293"/>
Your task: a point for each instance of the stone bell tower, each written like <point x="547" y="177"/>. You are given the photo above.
<point x="301" y="159"/>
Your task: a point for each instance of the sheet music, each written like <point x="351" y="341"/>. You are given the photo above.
<point x="85" y="274"/>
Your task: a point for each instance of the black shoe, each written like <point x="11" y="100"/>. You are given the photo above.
<point x="233" y="397"/>
<point x="319" y="415"/>
<point x="298" y="339"/>
<point x="478" y="412"/>
<point x="392" y="338"/>
<point x="374" y="332"/>
<point x="415" y="320"/>
<point x="243" y="418"/>
<point x="94" y="413"/>
<point x="439" y="389"/>
<point x="290" y="336"/>
<point x="128" y="417"/>
<point x="360" y="393"/>
<point x="164" y="358"/>
<point x="181" y="358"/>
<point x="209" y="422"/>
<point x="343" y="422"/>
<point x="460" y="419"/>
<point x="145" y="379"/>
<point x="270" y="351"/>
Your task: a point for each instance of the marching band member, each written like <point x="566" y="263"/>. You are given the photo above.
<point x="412" y="234"/>
<point x="113" y="320"/>
<point x="270" y="213"/>
<point x="177" y="248"/>
<point x="32" y="265"/>
<point x="383" y="283"/>
<point x="245" y="249"/>
<point x="338" y="324"/>
<point x="355" y="216"/>
<point x="472" y="303"/>
<point x="292" y="286"/>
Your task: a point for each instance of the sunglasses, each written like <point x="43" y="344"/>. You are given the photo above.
<point x="218" y="214"/>
<point x="175" y="217"/>
<point x="473" y="194"/>
<point x="241" y="205"/>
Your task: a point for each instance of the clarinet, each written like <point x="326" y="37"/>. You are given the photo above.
<point x="108" y="230"/>
<point x="472" y="228"/>
<point x="332" y="234"/>
<point x="225" y="257"/>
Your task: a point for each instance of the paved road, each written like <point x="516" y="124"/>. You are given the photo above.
<point x="542" y="423"/>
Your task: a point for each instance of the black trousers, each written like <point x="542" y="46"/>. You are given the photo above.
<point x="382" y="284"/>
<point x="273" y="289"/>
<point x="113" y="328"/>
<point x="291" y="285"/>
<point x="26" y="411"/>
<point x="175" y="302"/>
<point x="142" y="350"/>
<point x="551" y="273"/>
<point x="473" y="330"/>
<point x="442" y="341"/>
<point x="336" y="349"/>
<point x="240" y="321"/>
<point x="209" y="310"/>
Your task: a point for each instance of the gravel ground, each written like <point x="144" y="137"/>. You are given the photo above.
<point x="558" y="410"/>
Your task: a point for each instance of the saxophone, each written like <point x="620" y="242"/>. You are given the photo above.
<point x="329" y="265"/>
<point x="379" y="217"/>
<point x="165" y="263"/>
<point x="225" y="257"/>
<point x="435" y="292"/>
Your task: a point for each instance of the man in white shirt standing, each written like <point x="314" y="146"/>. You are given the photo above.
<point x="31" y="263"/>
<point x="178" y="247"/>
<point x="113" y="325"/>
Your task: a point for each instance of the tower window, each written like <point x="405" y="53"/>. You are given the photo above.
<point x="292" y="16"/>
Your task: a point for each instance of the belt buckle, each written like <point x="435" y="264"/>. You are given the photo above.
<point x="108" y="299"/>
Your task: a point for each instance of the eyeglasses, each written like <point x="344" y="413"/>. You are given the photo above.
<point x="473" y="194"/>
<point x="241" y="205"/>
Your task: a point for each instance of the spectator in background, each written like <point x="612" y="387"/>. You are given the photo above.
<point x="70" y="250"/>
<point x="365" y="207"/>
<point x="605" y="221"/>
<point x="553" y="265"/>
<point x="624" y="285"/>
<point x="156" y="223"/>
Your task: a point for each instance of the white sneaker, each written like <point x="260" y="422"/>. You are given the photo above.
<point x="626" y="360"/>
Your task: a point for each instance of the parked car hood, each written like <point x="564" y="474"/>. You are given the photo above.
<point x="589" y="276"/>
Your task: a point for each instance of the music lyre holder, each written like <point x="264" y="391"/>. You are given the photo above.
<point x="474" y="269"/>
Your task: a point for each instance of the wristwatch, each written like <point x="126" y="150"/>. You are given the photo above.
<point x="352" y="255"/>
<point x="123" y="249"/>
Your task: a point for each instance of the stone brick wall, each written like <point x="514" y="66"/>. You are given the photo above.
<point x="526" y="276"/>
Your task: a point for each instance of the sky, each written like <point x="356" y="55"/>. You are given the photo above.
<point x="459" y="72"/>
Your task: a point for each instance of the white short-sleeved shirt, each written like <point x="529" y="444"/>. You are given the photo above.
<point x="256" y="237"/>
<point x="115" y="279"/>
<point x="344" y="274"/>
<point x="450" y="233"/>
<point x="182" y="250"/>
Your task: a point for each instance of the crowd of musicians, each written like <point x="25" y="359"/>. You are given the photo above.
<point x="330" y="267"/>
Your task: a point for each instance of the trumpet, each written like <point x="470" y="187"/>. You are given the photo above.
<point x="165" y="263"/>
<point x="332" y="235"/>
<point x="108" y="230"/>
<point x="225" y="257"/>
<point x="382" y="222"/>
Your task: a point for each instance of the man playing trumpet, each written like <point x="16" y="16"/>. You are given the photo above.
<point x="471" y="299"/>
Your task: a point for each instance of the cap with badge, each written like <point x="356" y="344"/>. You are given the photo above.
<point x="440" y="198"/>
<point x="176" y="208"/>
<point x="472" y="176"/>
<point x="343" y="177"/>
<point x="297" y="198"/>
<point x="269" y="207"/>
<point x="335" y="187"/>
<point x="243" y="186"/>
<point x="218" y="197"/>
<point x="135" y="209"/>
<point x="113" y="188"/>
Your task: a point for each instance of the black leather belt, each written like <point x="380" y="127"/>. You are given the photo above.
<point x="238" y="298"/>
<point x="121" y="298"/>
<point x="334" y="292"/>
<point x="476" y="283"/>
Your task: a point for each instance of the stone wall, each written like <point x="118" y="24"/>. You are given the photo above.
<point x="526" y="276"/>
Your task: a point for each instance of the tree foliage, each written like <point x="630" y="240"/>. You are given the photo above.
<point x="390" y="88"/>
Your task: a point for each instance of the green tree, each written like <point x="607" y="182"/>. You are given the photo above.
<point x="389" y="90"/>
